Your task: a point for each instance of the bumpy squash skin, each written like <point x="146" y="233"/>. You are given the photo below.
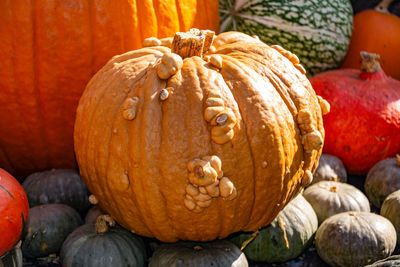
<point x="355" y="239"/>
<point x="296" y="224"/>
<point x="382" y="180"/>
<point x="51" y="49"/>
<point x="48" y="227"/>
<point x="329" y="198"/>
<point x="63" y="186"/>
<point x="14" y="211"/>
<point x="330" y="168"/>
<point x="116" y="247"/>
<point x="137" y="167"/>
<point x="391" y="210"/>
<point x="220" y="253"/>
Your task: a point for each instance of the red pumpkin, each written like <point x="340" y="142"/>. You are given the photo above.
<point x="49" y="50"/>
<point x="14" y="210"/>
<point x="363" y="126"/>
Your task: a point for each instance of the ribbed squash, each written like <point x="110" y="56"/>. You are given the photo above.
<point x="353" y="239"/>
<point x="202" y="142"/>
<point x="12" y="258"/>
<point x="102" y="244"/>
<point x="392" y="261"/>
<point x="49" y="50"/>
<point x="391" y="210"/>
<point x="220" y="253"/>
<point x="285" y="238"/>
<point x="63" y="186"/>
<point x="330" y="168"/>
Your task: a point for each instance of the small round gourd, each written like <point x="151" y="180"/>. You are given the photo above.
<point x="329" y="198"/>
<point x="93" y="213"/>
<point x="219" y="253"/>
<point x="330" y="168"/>
<point x="355" y="239"/>
<point x="102" y="244"/>
<point x="64" y="186"/>
<point x="382" y="180"/>
<point x="391" y="210"/>
<point x="392" y="261"/>
<point x="48" y="227"/>
<point x="12" y="258"/>
<point x="286" y="237"/>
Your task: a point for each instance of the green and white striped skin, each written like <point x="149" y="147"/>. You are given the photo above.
<point x="317" y="31"/>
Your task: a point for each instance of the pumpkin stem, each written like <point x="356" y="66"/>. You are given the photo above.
<point x="398" y="159"/>
<point x="383" y="6"/>
<point x="333" y="189"/>
<point x="370" y="62"/>
<point x="192" y="43"/>
<point x="251" y="238"/>
<point x="103" y="223"/>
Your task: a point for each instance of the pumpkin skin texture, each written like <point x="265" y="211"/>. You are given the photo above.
<point x="63" y="186"/>
<point x="355" y="238"/>
<point x="329" y="198"/>
<point x="51" y="49"/>
<point x="384" y="41"/>
<point x="392" y="261"/>
<point x="330" y="168"/>
<point x="286" y="237"/>
<point x="92" y="245"/>
<point x="382" y="180"/>
<point x="220" y="253"/>
<point x="227" y="171"/>
<point x="14" y="211"/>
<point x="363" y="126"/>
<point x="390" y="210"/>
<point x="48" y="227"/>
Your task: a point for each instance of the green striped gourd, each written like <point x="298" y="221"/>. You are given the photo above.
<point x="317" y="31"/>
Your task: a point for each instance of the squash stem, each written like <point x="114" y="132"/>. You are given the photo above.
<point x="103" y="223"/>
<point x="383" y="6"/>
<point x="192" y="43"/>
<point x="370" y="62"/>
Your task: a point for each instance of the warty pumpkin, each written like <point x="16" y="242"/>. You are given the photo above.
<point x="51" y="49"/>
<point x="363" y="126"/>
<point x="201" y="142"/>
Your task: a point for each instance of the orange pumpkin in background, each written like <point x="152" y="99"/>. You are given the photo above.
<point x="202" y="142"/>
<point x="50" y="49"/>
<point x="376" y="31"/>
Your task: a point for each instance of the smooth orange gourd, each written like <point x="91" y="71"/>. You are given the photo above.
<point x="49" y="50"/>
<point x="202" y="142"/>
<point x="376" y="31"/>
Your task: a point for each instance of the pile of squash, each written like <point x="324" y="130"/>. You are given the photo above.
<point x="134" y="134"/>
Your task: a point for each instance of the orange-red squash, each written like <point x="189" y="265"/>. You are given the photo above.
<point x="202" y="142"/>
<point x="50" y="49"/>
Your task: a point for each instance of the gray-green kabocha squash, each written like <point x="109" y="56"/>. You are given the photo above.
<point x="391" y="210"/>
<point x="355" y="239"/>
<point x="219" y="253"/>
<point x="330" y="168"/>
<point x="93" y="213"/>
<point x="102" y="244"/>
<point x="392" y="261"/>
<point x="285" y="238"/>
<point x="12" y="258"/>
<point x="329" y="198"/>
<point x="317" y="31"/>
<point x="382" y="180"/>
<point x="62" y="186"/>
<point x="48" y="227"/>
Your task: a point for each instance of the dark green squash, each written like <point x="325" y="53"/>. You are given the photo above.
<point x="391" y="210"/>
<point x="93" y="213"/>
<point x="12" y="258"/>
<point x="48" y="227"/>
<point x="391" y="261"/>
<point x="62" y="186"/>
<point x="286" y="237"/>
<point x="353" y="239"/>
<point x="102" y="244"/>
<point x="219" y="253"/>
<point x="382" y="180"/>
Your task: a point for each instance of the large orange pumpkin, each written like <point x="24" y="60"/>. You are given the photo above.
<point x="50" y="49"/>
<point x="202" y="142"/>
<point x="376" y="31"/>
